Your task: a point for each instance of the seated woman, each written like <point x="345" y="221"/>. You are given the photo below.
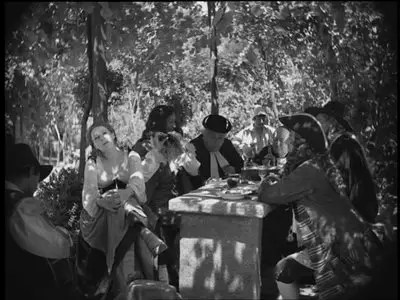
<point x="114" y="247"/>
<point x="340" y="248"/>
<point x="159" y="147"/>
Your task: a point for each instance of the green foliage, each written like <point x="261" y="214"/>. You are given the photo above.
<point x="292" y="54"/>
<point x="61" y="195"/>
<point x="114" y="81"/>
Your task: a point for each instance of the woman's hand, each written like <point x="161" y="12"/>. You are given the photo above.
<point x="158" y="140"/>
<point x="110" y="201"/>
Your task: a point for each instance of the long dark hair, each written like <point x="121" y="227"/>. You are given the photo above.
<point x="350" y="159"/>
<point x="157" y="120"/>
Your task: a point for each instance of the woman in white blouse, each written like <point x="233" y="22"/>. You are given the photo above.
<point x="114" y="231"/>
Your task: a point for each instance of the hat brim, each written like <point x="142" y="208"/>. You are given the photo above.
<point x="261" y="114"/>
<point x="217" y="123"/>
<point x="307" y="127"/>
<point x="45" y="171"/>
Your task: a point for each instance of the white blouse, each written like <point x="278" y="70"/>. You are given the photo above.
<point x="95" y="177"/>
<point x="34" y="233"/>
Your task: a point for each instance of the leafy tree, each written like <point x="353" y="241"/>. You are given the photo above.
<point x="283" y="55"/>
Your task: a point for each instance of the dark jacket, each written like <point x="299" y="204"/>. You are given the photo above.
<point x="203" y="156"/>
<point x="160" y="188"/>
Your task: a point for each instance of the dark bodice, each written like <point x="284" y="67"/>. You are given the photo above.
<point x="116" y="183"/>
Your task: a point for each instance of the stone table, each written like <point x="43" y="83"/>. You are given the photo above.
<point x="220" y="244"/>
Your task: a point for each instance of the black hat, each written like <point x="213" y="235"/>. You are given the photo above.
<point x="217" y="123"/>
<point x="309" y="128"/>
<point x="312" y="110"/>
<point x="334" y="109"/>
<point x="20" y="155"/>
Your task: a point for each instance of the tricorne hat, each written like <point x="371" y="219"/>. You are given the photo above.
<point x="309" y="128"/>
<point x="217" y="123"/>
<point x="334" y="109"/>
<point x="20" y="155"/>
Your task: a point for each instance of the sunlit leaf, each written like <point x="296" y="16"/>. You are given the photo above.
<point x="256" y="10"/>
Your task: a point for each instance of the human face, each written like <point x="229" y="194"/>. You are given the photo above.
<point x="102" y="138"/>
<point x="259" y="120"/>
<point x="281" y="142"/>
<point x="213" y="140"/>
<point x="325" y="122"/>
<point x="170" y="123"/>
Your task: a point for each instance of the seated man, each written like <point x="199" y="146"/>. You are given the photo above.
<point x="275" y="154"/>
<point x="31" y="241"/>
<point x="256" y="136"/>
<point x="216" y="154"/>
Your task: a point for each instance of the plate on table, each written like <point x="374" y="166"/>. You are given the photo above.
<point x="234" y="194"/>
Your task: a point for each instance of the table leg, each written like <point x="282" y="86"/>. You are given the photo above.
<point x="219" y="257"/>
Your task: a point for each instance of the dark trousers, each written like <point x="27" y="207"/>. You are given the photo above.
<point x="276" y="226"/>
<point x="171" y="235"/>
<point x="275" y="246"/>
<point x="289" y="270"/>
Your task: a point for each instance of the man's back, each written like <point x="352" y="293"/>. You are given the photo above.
<point x="28" y="276"/>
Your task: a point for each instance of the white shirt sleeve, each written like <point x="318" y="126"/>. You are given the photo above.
<point x="33" y="233"/>
<point x="136" y="176"/>
<point x="191" y="164"/>
<point x="90" y="190"/>
<point x="151" y="163"/>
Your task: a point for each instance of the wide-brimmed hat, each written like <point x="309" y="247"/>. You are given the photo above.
<point x="334" y="109"/>
<point x="20" y="156"/>
<point x="308" y="127"/>
<point x="217" y="123"/>
<point x="259" y="111"/>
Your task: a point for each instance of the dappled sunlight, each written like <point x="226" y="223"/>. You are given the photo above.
<point x="68" y="65"/>
<point x="217" y="264"/>
<point x="213" y="249"/>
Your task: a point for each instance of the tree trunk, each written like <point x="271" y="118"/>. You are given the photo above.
<point x="213" y="58"/>
<point x="99" y="106"/>
<point x="269" y="77"/>
<point x="82" y="152"/>
<point x="330" y="60"/>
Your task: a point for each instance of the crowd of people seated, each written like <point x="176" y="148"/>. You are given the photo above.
<point x="321" y="230"/>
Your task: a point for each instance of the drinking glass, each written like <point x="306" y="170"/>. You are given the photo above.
<point x="233" y="180"/>
<point x="262" y="172"/>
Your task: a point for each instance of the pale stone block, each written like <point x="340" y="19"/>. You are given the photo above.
<point x="219" y="257"/>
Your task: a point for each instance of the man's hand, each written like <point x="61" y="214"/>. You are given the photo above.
<point x="228" y="170"/>
<point x="272" y="178"/>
